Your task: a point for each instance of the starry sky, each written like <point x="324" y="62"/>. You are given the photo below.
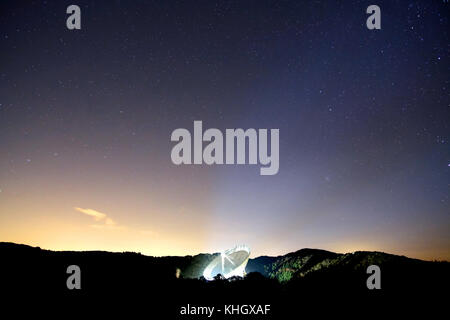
<point x="86" y="118"/>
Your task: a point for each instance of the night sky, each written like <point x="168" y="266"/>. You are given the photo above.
<point x="364" y="118"/>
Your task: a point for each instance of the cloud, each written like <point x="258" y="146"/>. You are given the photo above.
<point x="106" y="223"/>
<point x="109" y="222"/>
<point x="93" y="213"/>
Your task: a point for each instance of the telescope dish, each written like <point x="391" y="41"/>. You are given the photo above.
<point x="229" y="263"/>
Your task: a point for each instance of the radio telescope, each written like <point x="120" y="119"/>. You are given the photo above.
<point x="229" y="263"/>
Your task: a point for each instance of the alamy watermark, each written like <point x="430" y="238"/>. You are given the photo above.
<point x="74" y="280"/>
<point x="235" y="140"/>
<point x="374" y="280"/>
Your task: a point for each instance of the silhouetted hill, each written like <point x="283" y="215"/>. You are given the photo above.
<point x="261" y="264"/>
<point x="309" y="275"/>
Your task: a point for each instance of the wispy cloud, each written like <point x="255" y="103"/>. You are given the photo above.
<point x="97" y="215"/>
<point x="105" y="222"/>
<point x="110" y="222"/>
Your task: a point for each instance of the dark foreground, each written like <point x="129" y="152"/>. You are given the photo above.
<point x="307" y="282"/>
